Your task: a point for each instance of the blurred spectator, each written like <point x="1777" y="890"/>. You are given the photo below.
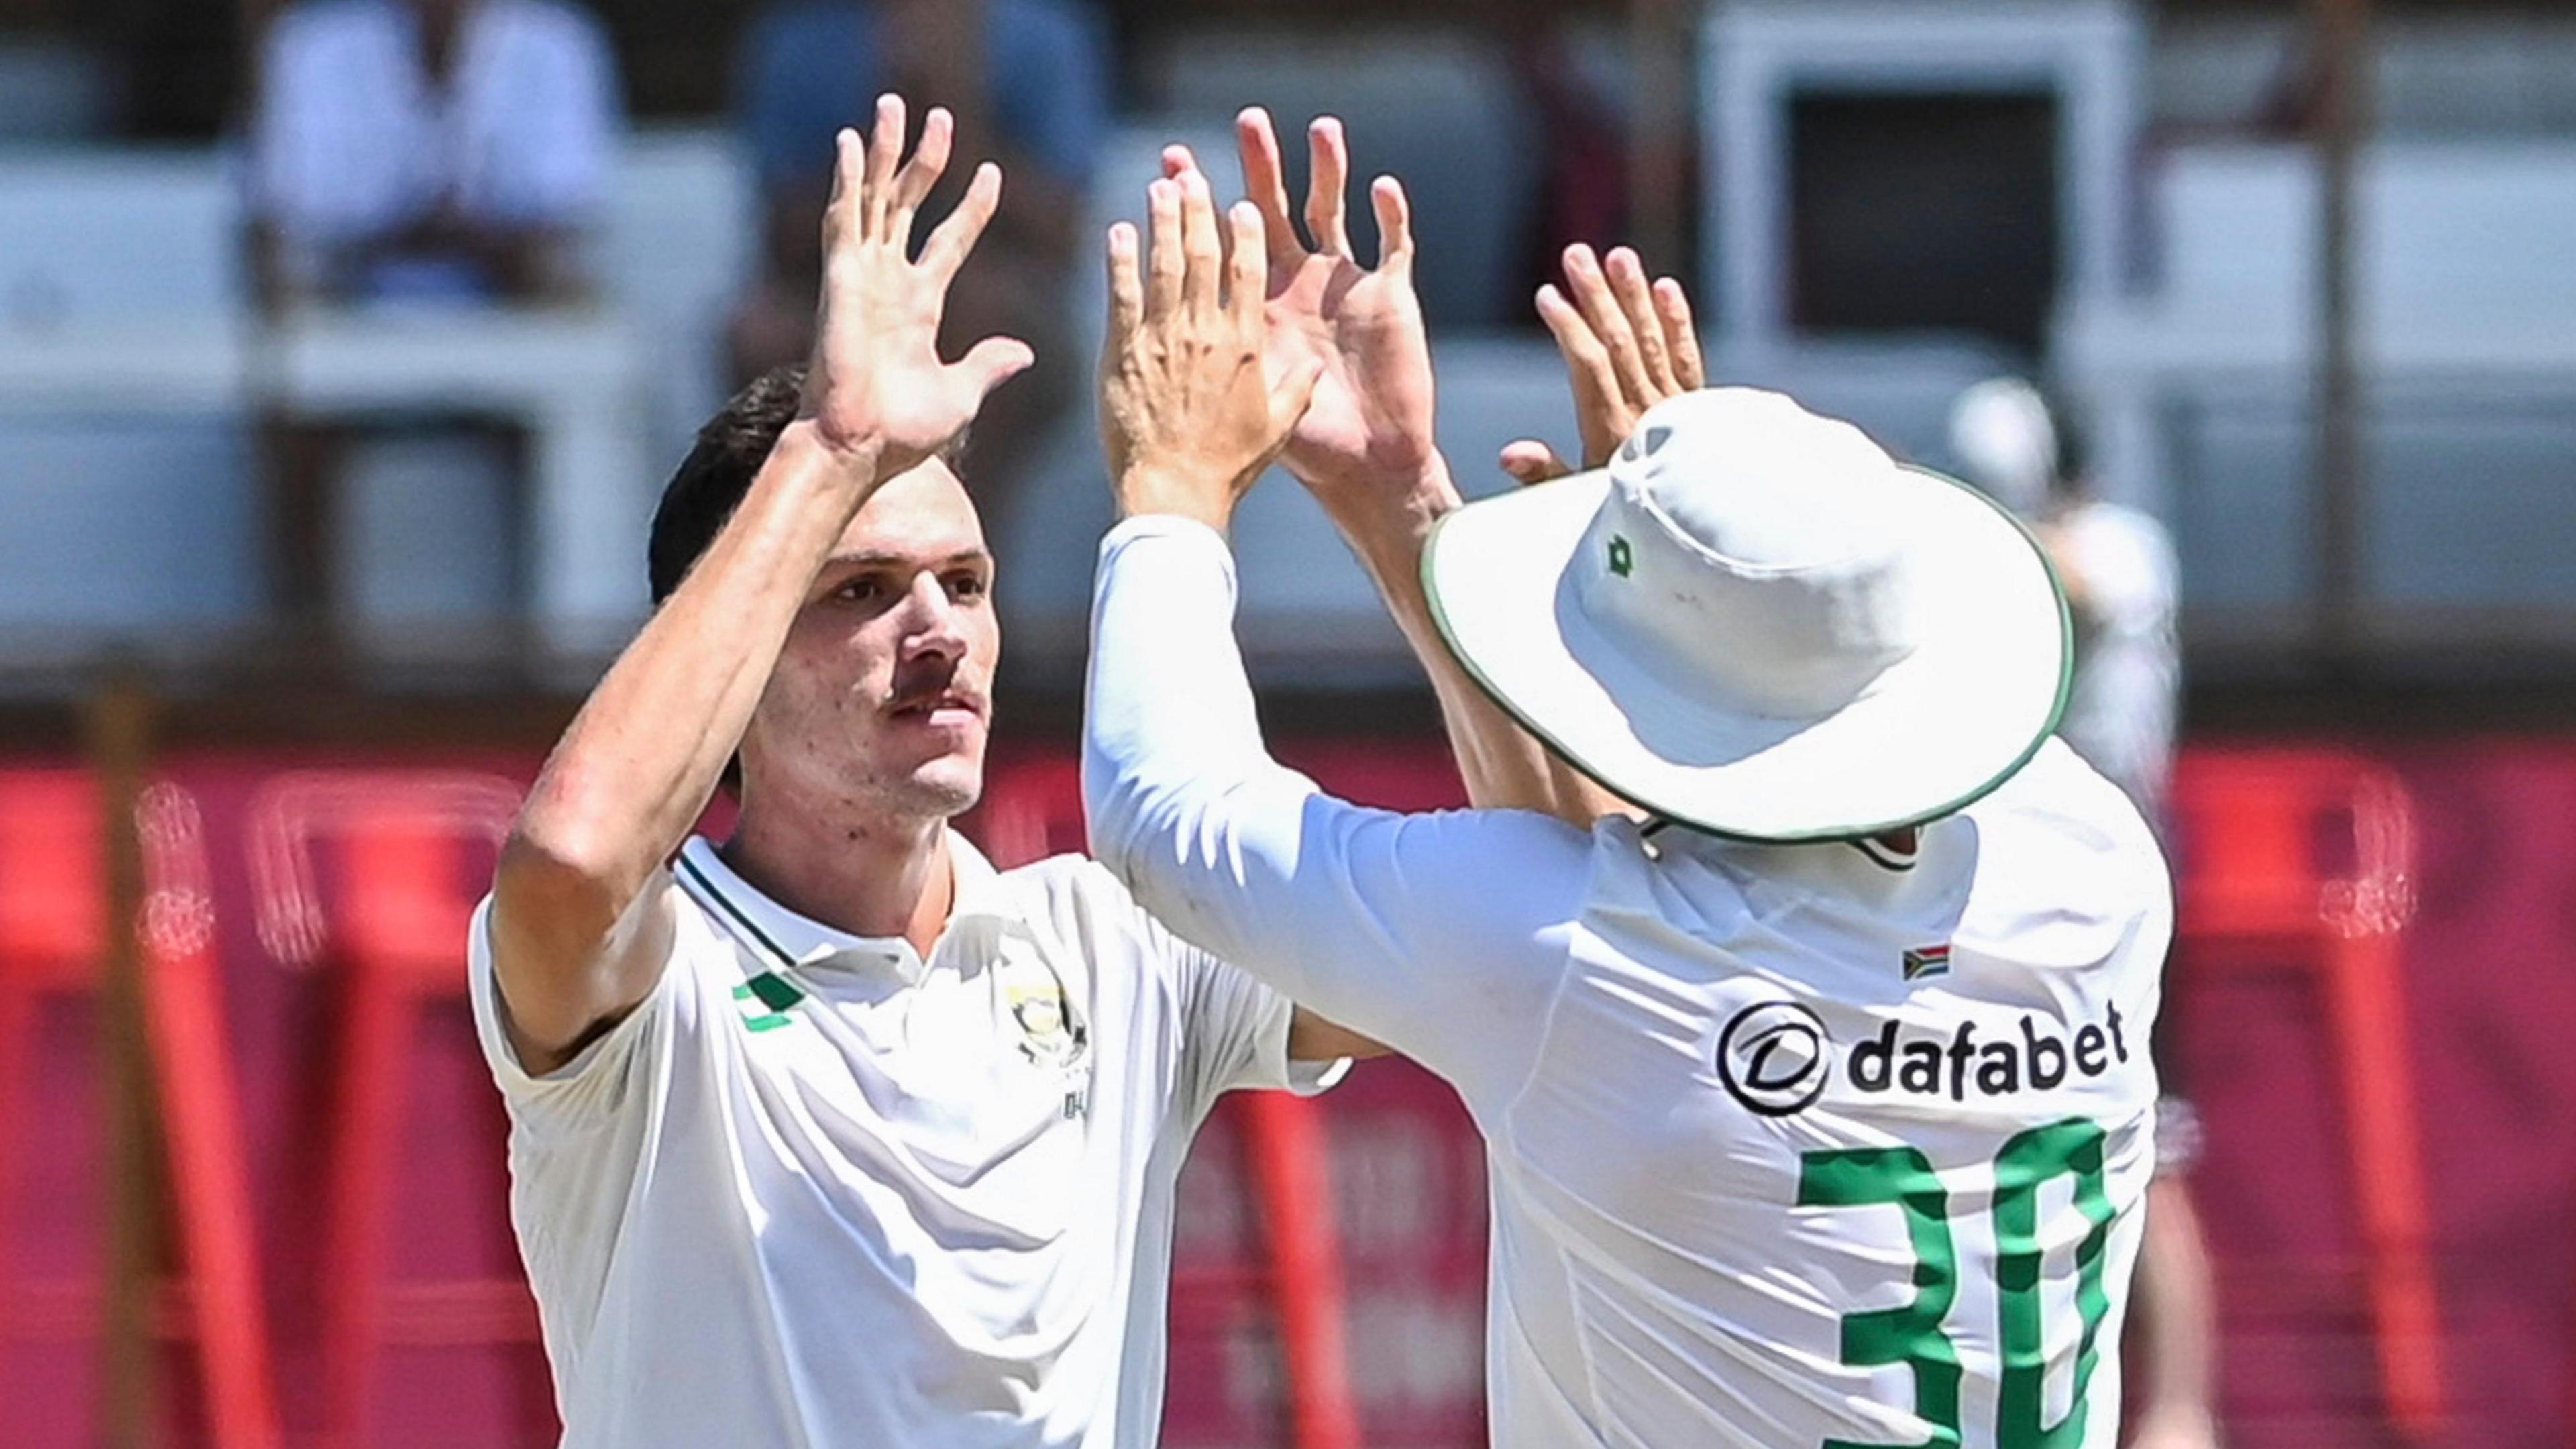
<point x="2118" y="568"/>
<point x="1028" y="81"/>
<point x="423" y="152"/>
<point x="2117" y="565"/>
<point x="446" y="150"/>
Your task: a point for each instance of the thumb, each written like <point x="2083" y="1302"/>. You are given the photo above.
<point x="996" y="360"/>
<point x="1295" y="393"/>
<point x="1532" y="461"/>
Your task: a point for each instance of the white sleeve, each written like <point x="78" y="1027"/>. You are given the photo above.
<point x="1235" y="1032"/>
<point x="1442" y="936"/>
<point x="606" y="1076"/>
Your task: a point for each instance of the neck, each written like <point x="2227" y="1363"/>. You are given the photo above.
<point x="885" y="878"/>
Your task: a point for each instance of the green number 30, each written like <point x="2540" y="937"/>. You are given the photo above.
<point x="1911" y="1334"/>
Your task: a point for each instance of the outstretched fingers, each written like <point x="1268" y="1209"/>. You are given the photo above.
<point x="1586" y="359"/>
<point x="1591" y="292"/>
<point x="1394" y="226"/>
<point x="885" y="148"/>
<point x="1628" y="286"/>
<point x="1327" y="214"/>
<point x="1599" y="406"/>
<point x="913" y="184"/>
<point x="1265" y="182"/>
<point x="1126" y="288"/>
<point x="1165" y="267"/>
<point x="840" y="210"/>
<point x="1203" y="252"/>
<point x="1247" y="281"/>
<point x="1673" y="306"/>
<point x="953" y="241"/>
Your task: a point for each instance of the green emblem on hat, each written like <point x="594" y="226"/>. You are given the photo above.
<point x="1623" y="559"/>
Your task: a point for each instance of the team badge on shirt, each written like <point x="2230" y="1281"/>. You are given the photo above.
<point x="1924" y="962"/>
<point x="1051" y="1036"/>
<point x="1048" y="1031"/>
<point x="764" y="999"/>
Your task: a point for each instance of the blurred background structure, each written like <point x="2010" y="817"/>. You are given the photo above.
<point x="345" y="344"/>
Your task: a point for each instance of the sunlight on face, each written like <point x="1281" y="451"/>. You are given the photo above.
<point x="882" y="701"/>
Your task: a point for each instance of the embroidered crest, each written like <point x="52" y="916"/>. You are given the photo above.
<point x="764" y="1000"/>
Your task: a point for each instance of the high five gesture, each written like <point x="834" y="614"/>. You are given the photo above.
<point x="1190" y="411"/>
<point x="876" y="379"/>
<point x="1371" y="424"/>
<point x="1628" y="345"/>
<point x="579" y="934"/>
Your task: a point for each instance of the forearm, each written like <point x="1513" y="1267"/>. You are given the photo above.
<point x="1503" y="765"/>
<point x="648" y="748"/>
<point x="1174" y="768"/>
<point x="2177" y="1309"/>
<point x="1422" y="932"/>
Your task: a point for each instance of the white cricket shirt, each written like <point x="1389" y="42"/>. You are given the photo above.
<point x="1790" y="1146"/>
<point x="818" y="1191"/>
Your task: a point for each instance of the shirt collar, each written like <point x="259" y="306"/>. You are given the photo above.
<point x="1871" y="866"/>
<point x="783" y="938"/>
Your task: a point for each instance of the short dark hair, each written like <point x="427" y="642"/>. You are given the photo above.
<point x="712" y="480"/>
<point x="710" y="483"/>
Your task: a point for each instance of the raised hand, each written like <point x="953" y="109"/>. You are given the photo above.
<point x="1627" y="347"/>
<point x="876" y="381"/>
<point x="1190" y="412"/>
<point x="1370" y="428"/>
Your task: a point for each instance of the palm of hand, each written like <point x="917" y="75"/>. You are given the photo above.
<point x="1373" y="401"/>
<point x="879" y="361"/>
<point x="875" y="377"/>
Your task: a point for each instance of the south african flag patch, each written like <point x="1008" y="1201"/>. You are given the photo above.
<point x="1925" y="962"/>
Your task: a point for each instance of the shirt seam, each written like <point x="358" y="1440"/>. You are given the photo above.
<point x="1511" y="1130"/>
<point x="1546" y="1033"/>
<point x="1582" y="1340"/>
<point x="1511" y="1126"/>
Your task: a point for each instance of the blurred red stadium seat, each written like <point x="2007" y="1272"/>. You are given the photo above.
<point x="394" y="931"/>
<point x="2302" y="859"/>
<point x="52" y="941"/>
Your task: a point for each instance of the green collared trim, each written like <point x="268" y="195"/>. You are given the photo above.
<point x="735" y="913"/>
<point x="771" y="988"/>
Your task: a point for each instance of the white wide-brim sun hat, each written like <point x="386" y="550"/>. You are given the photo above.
<point x="1756" y="623"/>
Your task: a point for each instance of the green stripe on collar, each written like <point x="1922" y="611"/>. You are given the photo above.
<point x="735" y="913"/>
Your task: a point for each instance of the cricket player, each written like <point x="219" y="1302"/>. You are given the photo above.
<point x="1817" y="1099"/>
<point x="2117" y="566"/>
<point x="831" y="1134"/>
